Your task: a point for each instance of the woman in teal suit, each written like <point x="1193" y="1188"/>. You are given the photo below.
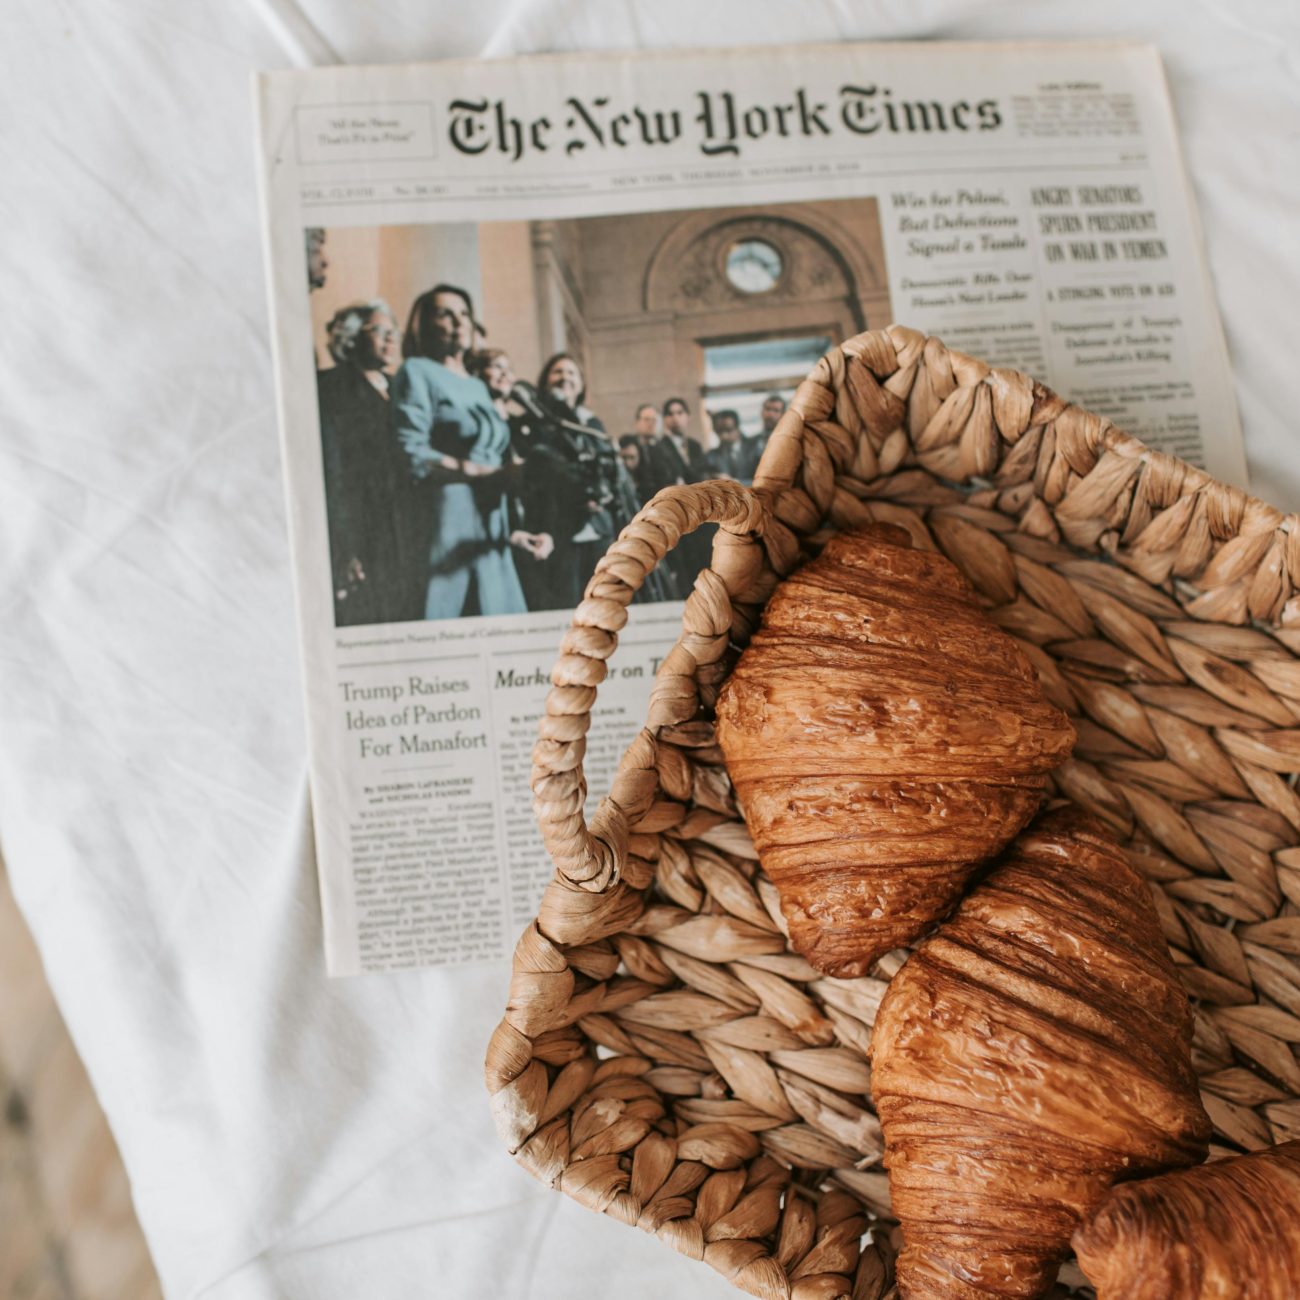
<point x="456" y="443"/>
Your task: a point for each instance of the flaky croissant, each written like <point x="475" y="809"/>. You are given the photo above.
<point x="883" y="738"/>
<point x="1030" y="1054"/>
<point x="1226" y="1231"/>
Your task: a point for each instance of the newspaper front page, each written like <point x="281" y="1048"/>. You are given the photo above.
<point x="513" y="299"/>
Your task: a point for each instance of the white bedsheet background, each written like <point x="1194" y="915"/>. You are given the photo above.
<point x="288" y="1136"/>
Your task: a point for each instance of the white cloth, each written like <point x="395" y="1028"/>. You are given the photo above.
<point x="288" y="1136"/>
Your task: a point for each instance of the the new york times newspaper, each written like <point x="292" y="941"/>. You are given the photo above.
<point x="514" y="299"/>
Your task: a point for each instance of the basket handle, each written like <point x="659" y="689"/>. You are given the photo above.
<point x="592" y="857"/>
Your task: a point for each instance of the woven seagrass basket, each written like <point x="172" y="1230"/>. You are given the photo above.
<point x="664" y="1057"/>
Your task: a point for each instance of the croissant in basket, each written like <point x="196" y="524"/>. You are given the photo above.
<point x="884" y="738"/>
<point x="1227" y="1231"/>
<point x="1033" y="1052"/>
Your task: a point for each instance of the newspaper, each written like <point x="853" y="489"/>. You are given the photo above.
<point x="512" y="299"/>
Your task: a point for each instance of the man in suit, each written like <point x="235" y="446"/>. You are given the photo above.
<point x="773" y="410"/>
<point x="677" y="458"/>
<point x="643" y="466"/>
<point x="734" y="457"/>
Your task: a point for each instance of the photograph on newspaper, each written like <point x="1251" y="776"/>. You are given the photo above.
<point x="498" y="400"/>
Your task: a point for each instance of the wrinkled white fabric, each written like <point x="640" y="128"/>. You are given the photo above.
<point x="288" y="1136"/>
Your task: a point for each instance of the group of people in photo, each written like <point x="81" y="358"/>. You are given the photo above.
<point x="455" y="488"/>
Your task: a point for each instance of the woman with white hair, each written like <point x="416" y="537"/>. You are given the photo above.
<point x="367" y="485"/>
<point x="344" y="328"/>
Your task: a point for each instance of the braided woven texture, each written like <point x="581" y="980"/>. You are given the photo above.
<point x="664" y="1057"/>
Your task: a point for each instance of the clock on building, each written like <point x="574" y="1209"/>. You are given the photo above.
<point x="753" y="265"/>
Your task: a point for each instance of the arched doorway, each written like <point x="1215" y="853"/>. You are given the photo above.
<point x="757" y="298"/>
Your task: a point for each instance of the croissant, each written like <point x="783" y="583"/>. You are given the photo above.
<point x="883" y="738"/>
<point x="1030" y="1054"/>
<point x="1226" y="1231"/>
